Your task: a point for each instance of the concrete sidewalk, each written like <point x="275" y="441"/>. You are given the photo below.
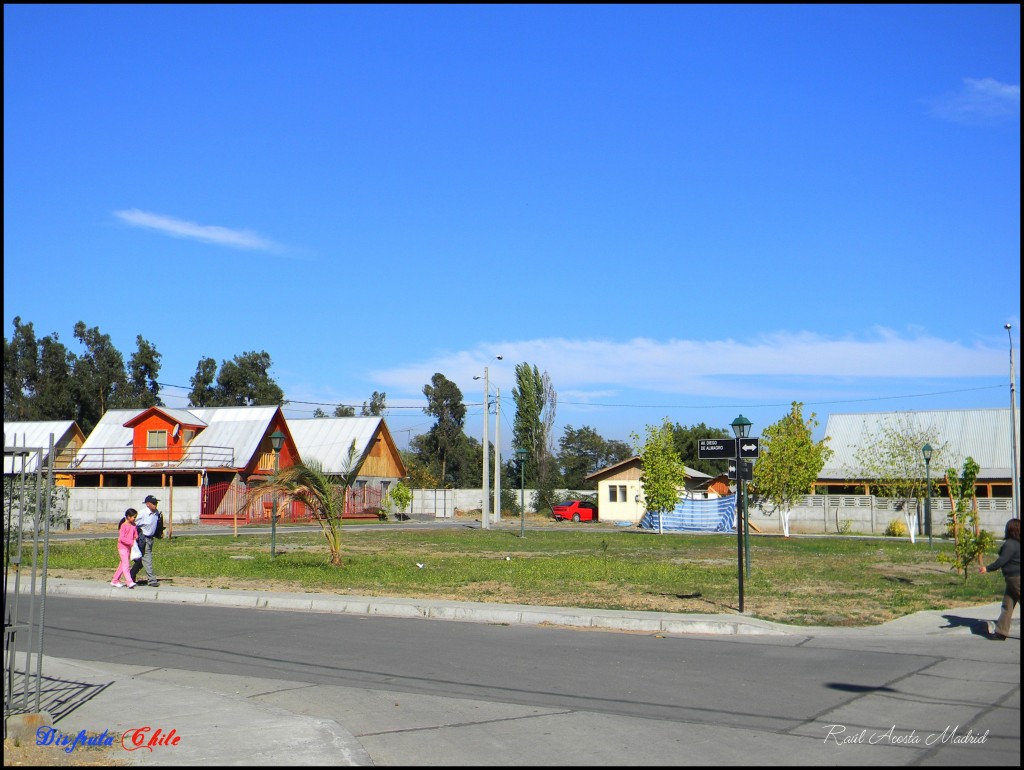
<point x="226" y="725"/>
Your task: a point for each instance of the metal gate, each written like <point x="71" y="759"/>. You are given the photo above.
<point x="222" y="501"/>
<point x="31" y="506"/>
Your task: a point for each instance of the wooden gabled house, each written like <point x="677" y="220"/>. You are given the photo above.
<point x="189" y="459"/>
<point x="36" y="435"/>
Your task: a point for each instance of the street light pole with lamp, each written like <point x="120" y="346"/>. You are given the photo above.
<point x="276" y="441"/>
<point x="741" y="429"/>
<point x="926" y="451"/>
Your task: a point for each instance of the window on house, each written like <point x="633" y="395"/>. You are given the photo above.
<point x="156" y="439"/>
<point x="616" y="493"/>
<point x="384" y="487"/>
<point x="189" y="435"/>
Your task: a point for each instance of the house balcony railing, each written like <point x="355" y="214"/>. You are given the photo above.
<point x="123" y="458"/>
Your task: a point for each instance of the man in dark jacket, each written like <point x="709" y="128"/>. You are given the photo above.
<point x="1009" y="563"/>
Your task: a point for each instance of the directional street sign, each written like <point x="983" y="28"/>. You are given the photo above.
<point x="749" y="447"/>
<point x="716" y="448"/>
<point x="747" y="470"/>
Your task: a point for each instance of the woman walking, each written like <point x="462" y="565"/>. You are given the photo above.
<point x="1009" y="563"/>
<point x="127" y="534"/>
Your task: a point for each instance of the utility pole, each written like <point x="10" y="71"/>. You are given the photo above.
<point x="486" y="508"/>
<point x="1014" y="430"/>
<point x="497" y="455"/>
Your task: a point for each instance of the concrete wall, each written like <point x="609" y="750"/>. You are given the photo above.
<point x="95" y="505"/>
<point x="817" y="514"/>
<point x="868" y="515"/>
<point x="444" y="502"/>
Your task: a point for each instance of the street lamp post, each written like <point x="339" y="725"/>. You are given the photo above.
<point x="276" y="441"/>
<point x="1015" y="481"/>
<point x="521" y="454"/>
<point x="926" y="450"/>
<point x="741" y="429"/>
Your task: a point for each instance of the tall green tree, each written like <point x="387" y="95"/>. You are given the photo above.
<point x="789" y="461"/>
<point x="536" y="402"/>
<point x="687" y="441"/>
<point x="339" y="411"/>
<point x="246" y="381"/>
<point x="54" y="393"/>
<point x="444" y="404"/>
<point x="376" y="405"/>
<point x="21" y="372"/>
<point x="99" y="380"/>
<point x="585" y="451"/>
<point x="44" y="381"/>
<point x="663" y="474"/>
<point x="417" y="464"/>
<point x="243" y="381"/>
<point x="204" y="392"/>
<point x="143" y="369"/>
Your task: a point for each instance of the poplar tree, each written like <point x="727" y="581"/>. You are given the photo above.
<point x="536" y="401"/>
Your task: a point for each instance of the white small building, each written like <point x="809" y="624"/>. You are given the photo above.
<point x="620" y="493"/>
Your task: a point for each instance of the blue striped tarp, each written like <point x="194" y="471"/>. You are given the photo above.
<point x="716" y="514"/>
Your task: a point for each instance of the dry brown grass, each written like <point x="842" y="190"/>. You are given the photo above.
<point x="49" y="756"/>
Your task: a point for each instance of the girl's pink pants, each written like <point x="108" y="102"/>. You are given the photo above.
<point x="125" y="568"/>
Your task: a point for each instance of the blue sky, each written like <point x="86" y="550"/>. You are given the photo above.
<point x="675" y="211"/>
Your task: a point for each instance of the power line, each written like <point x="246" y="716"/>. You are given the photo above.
<point x="764" y="406"/>
<point x="291" y="402"/>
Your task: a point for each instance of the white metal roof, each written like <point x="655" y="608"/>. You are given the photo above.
<point x="327" y="439"/>
<point x="983" y="434"/>
<point x="236" y="428"/>
<point x="32" y="434"/>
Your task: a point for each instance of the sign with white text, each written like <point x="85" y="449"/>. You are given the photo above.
<point x="716" y="448"/>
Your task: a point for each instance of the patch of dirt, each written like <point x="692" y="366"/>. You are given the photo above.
<point x="50" y="756"/>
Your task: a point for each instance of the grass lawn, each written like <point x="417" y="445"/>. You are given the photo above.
<point x="836" y="581"/>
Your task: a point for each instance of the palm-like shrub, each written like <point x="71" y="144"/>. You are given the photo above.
<point x="323" y="494"/>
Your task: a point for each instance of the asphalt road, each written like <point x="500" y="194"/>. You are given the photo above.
<point x="420" y="692"/>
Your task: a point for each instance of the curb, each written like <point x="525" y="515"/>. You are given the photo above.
<point x="431" y="609"/>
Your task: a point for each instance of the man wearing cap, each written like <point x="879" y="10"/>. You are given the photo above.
<point x="146" y="522"/>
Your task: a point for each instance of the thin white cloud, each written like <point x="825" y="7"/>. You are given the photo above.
<point x="979" y="101"/>
<point x="222" y="236"/>
<point x="705" y="367"/>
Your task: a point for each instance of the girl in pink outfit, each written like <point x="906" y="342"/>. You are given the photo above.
<point x="126" y="536"/>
